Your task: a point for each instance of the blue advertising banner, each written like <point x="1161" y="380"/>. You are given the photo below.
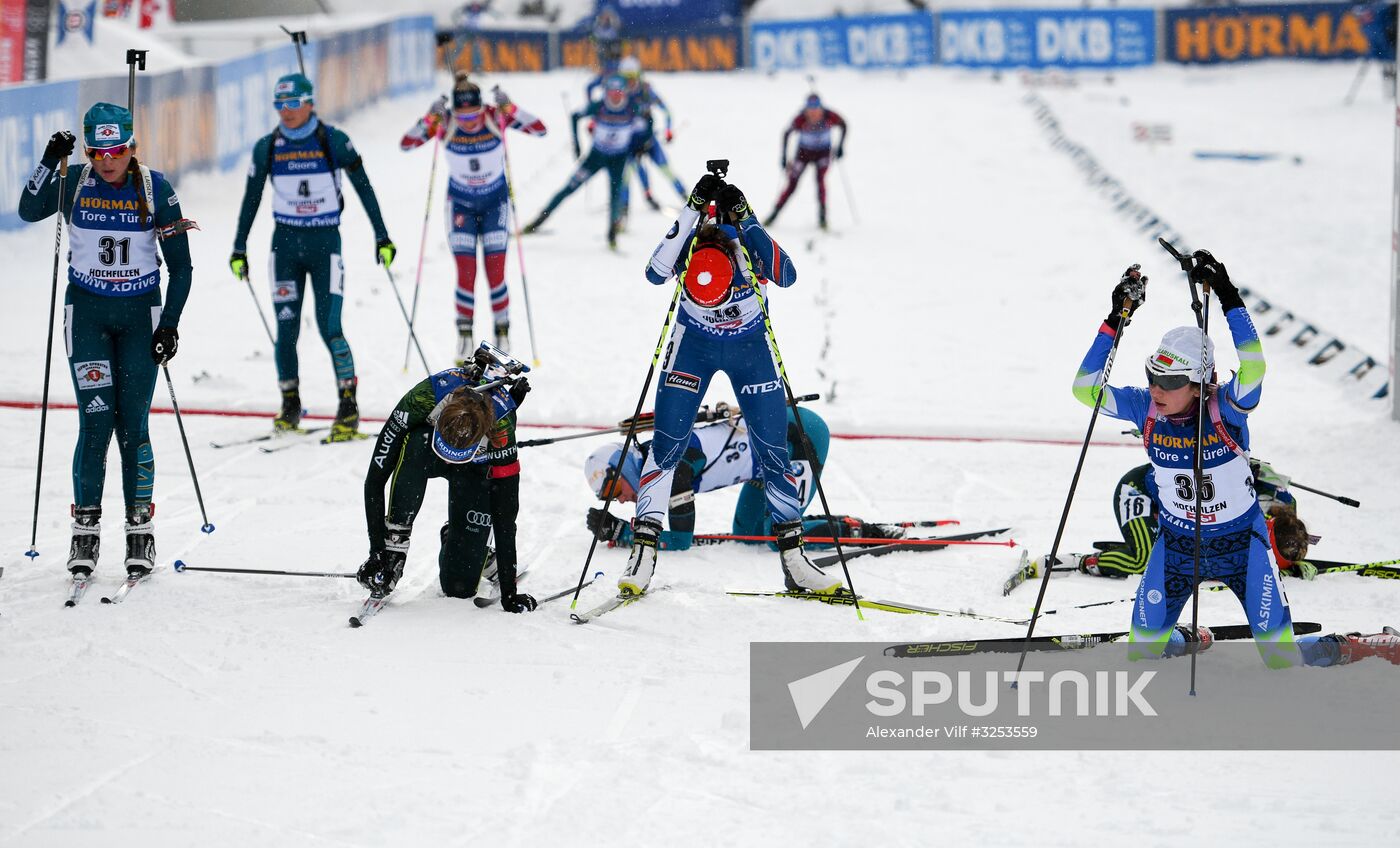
<point x="876" y="41"/>
<point x="1048" y="38"/>
<point x="1283" y="31"/>
<point x="29" y="114"/>
<point x="645" y="15"/>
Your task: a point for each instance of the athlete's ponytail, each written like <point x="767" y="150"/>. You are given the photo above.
<point x="133" y="170"/>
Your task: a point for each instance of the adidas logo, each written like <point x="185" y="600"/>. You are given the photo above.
<point x="97" y="405"/>
<point x="401" y="418"/>
<point x="285" y="314"/>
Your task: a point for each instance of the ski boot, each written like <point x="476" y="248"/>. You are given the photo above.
<point x="82" y="555"/>
<point x="613" y="229"/>
<point x="534" y="226"/>
<point x="1385" y="645"/>
<point x="346" y="426"/>
<point x="465" y="344"/>
<point x="289" y="419"/>
<point x="799" y="572"/>
<point x="140" y="540"/>
<point x="503" y="336"/>
<point x="821" y="219"/>
<point x="641" y="563"/>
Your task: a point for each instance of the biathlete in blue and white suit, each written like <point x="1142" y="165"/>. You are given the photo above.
<point x="720" y="327"/>
<point x="717" y="456"/>
<point x="1235" y="548"/>
<point x="478" y="199"/>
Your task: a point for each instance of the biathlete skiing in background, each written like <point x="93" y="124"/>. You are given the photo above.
<point x="645" y="144"/>
<point x="614" y="122"/>
<point x="720" y="327"/>
<point x="304" y="158"/>
<point x="1235" y="547"/>
<point x="813" y="126"/>
<point x="116" y="330"/>
<point x="459" y="425"/>
<point x="478" y="199"/>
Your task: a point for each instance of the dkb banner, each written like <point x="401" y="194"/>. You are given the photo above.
<point x="1285" y="31"/>
<point x="876" y="41"/>
<point x="1051" y="38"/>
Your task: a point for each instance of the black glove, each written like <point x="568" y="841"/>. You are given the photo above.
<point x="1132" y="284"/>
<point x="60" y="146"/>
<point x="732" y="200"/>
<point x="705" y="190"/>
<point x="519" y="389"/>
<point x="384" y="252"/>
<point x="164" y="342"/>
<point x="784" y="161"/>
<point x="606" y="527"/>
<point x="381" y="572"/>
<point x="1211" y="272"/>
<point x="519" y="602"/>
<point x="840" y="150"/>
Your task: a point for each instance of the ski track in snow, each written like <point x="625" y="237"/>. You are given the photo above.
<point x="234" y="710"/>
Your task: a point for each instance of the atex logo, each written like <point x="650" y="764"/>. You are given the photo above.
<point x="761" y="388"/>
<point x="895" y="693"/>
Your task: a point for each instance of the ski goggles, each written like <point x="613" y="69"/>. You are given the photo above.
<point x="116" y="152"/>
<point x="290" y="103"/>
<point x="1170" y="382"/>
<point x="468" y="114"/>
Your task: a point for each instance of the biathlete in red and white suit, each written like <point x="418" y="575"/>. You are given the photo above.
<point x="813" y="126"/>
<point x="478" y="199"/>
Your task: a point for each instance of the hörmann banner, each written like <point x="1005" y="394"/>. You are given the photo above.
<point x="691" y="48"/>
<point x="1048" y="38"/>
<point x="1284" y="31"/>
<point x="875" y="41"/>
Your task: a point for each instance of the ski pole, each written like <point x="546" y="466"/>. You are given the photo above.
<point x="801" y="430"/>
<point x="615" y="471"/>
<point x="258" y="306"/>
<point x="519" y="244"/>
<point x="853" y="540"/>
<point x="1201" y="306"/>
<point x="1136" y="290"/>
<point x="181" y="568"/>
<point x="403" y="310"/>
<point x="846" y="189"/>
<point x="48" y="357"/>
<point x="180" y="422"/>
<point x="298" y="39"/>
<point x="423" y="246"/>
<point x="1342" y="499"/>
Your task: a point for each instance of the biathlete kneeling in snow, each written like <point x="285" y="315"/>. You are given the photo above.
<point x="458" y="424"/>
<point x="1235" y="547"/>
<point x="720" y="327"/>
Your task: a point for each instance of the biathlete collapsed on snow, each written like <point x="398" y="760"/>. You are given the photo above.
<point x="116" y="330"/>
<point x="459" y="425"/>
<point x="478" y="199"/>
<point x="813" y="126"/>
<point x="720" y="326"/>
<point x="1235" y="548"/>
<point x="304" y="158"/>
<point x="614" y="121"/>
<point x="717" y="456"/>
<point x="1135" y="509"/>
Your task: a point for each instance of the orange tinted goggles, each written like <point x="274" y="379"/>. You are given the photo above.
<point x="110" y="152"/>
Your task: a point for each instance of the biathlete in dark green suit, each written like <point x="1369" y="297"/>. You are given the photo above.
<point x="115" y="329"/>
<point x="304" y="158"/>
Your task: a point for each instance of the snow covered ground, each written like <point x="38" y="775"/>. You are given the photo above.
<point x="231" y="710"/>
